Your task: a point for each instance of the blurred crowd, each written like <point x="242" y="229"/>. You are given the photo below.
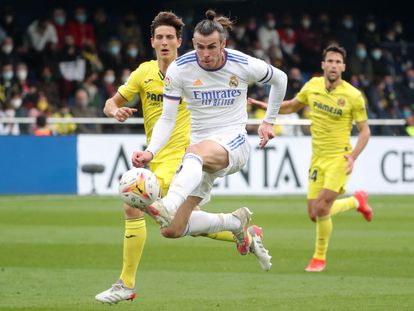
<point x="66" y="63"/>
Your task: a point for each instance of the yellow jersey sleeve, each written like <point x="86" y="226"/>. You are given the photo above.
<point x="359" y="112"/>
<point x="302" y="96"/>
<point x="133" y="85"/>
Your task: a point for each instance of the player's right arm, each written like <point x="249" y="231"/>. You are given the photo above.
<point x="165" y="124"/>
<point x="114" y="108"/>
<point x="291" y="106"/>
<point x="160" y="134"/>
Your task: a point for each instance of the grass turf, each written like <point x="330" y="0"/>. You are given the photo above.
<point x="57" y="252"/>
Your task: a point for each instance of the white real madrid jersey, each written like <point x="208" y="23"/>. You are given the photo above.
<point x="216" y="98"/>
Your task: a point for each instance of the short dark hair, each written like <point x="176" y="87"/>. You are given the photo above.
<point x="213" y="23"/>
<point x="168" y="19"/>
<point x="336" y="48"/>
<point x="41" y="120"/>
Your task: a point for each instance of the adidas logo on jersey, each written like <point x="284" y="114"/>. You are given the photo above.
<point x="197" y="82"/>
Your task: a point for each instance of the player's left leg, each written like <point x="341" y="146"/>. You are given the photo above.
<point x="324" y="188"/>
<point x="323" y="229"/>
<point x="226" y="236"/>
<point x="134" y="241"/>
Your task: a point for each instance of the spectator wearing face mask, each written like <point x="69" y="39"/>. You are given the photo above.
<point x="267" y="33"/>
<point x="108" y="87"/>
<point x="112" y="58"/>
<point x="288" y="41"/>
<point x="132" y="57"/>
<point x="378" y="63"/>
<point x="22" y="73"/>
<point x="360" y="64"/>
<point x="398" y="28"/>
<point x="8" y="53"/>
<point x="60" y="23"/>
<point x="309" y="44"/>
<point x="82" y="109"/>
<point x="346" y="33"/>
<point x="81" y="30"/>
<point x="370" y="34"/>
<point x="8" y="83"/>
<point x="129" y="30"/>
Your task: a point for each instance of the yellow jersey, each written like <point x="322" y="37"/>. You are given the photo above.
<point x="148" y="81"/>
<point x="332" y="113"/>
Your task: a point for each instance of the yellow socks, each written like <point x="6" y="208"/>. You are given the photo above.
<point x="343" y="205"/>
<point x="323" y="234"/>
<point x="222" y="236"/>
<point x="134" y="241"/>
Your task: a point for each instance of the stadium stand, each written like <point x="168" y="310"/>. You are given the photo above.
<point x="67" y="60"/>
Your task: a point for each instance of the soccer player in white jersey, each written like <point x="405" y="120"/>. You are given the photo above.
<point x="213" y="81"/>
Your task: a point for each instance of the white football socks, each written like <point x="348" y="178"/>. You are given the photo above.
<point x="184" y="183"/>
<point x="203" y="223"/>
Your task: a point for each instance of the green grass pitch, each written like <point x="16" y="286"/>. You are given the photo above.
<point x="57" y="252"/>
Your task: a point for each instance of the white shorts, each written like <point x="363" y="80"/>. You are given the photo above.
<point x="238" y="149"/>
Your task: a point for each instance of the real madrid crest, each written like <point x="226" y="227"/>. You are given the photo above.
<point x="341" y="102"/>
<point x="233" y="81"/>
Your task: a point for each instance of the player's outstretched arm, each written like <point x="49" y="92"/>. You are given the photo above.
<point x="114" y="108"/>
<point x="287" y="106"/>
<point x="256" y="103"/>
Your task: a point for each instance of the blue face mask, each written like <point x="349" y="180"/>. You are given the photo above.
<point x="361" y="53"/>
<point x="348" y="23"/>
<point x="114" y="49"/>
<point x="8" y="75"/>
<point x="406" y="114"/>
<point x="376" y="54"/>
<point x="132" y="52"/>
<point x="60" y="20"/>
<point x="81" y="18"/>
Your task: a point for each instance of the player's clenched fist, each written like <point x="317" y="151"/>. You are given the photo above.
<point x="141" y="158"/>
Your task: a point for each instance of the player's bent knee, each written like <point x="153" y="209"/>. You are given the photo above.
<point x="170" y="233"/>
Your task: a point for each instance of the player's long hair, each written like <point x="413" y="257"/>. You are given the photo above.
<point x="168" y="19"/>
<point x="334" y="47"/>
<point x="212" y="23"/>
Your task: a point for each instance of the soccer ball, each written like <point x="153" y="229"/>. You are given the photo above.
<point x="139" y="187"/>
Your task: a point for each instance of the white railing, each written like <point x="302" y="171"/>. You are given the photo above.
<point x="394" y="122"/>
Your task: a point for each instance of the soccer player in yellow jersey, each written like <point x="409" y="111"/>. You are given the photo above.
<point x="334" y="104"/>
<point x="148" y="81"/>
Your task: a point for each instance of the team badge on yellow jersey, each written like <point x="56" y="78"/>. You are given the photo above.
<point x="341" y="102"/>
